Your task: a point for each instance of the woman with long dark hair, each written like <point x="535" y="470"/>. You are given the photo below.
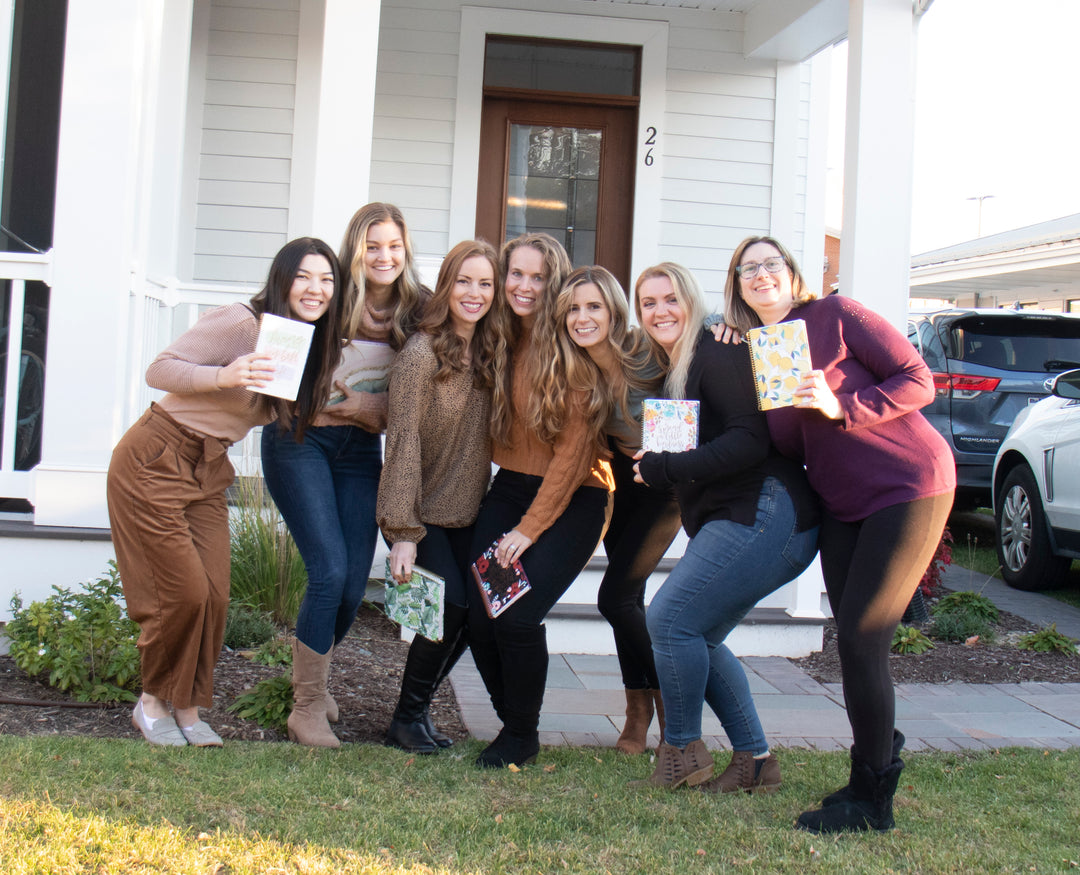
<point x="325" y="481"/>
<point x="168" y="476"/>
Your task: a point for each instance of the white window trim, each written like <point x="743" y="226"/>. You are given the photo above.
<point x="651" y="36"/>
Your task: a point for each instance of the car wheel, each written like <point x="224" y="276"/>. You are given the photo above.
<point x="1021" y="536"/>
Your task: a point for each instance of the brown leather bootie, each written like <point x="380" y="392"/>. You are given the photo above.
<point x="639" y="714"/>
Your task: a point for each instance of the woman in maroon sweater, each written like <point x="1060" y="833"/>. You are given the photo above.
<point x="886" y="481"/>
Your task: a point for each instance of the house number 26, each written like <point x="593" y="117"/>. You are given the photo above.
<point x="650" y="141"/>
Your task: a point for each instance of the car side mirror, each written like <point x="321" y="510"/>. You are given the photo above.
<point x="1067" y="385"/>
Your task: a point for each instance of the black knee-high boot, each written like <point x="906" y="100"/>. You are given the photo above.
<point x="454" y="631"/>
<point x="485" y="652"/>
<point x="525" y="662"/>
<point x="423" y="671"/>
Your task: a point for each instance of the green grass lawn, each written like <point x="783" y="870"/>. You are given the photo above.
<point x="111" y="806"/>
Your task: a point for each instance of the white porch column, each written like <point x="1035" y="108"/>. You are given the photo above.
<point x="335" y="109"/>
<point x="107" y="129"/>
<point x="875" y="250"/>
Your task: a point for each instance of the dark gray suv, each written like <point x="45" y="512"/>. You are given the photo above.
<point x="988" y="365"/>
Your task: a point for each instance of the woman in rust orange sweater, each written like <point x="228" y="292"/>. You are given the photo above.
<point x="547" y="503"/>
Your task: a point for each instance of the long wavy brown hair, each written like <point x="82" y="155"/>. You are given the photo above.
<point x="628" y="345"/>
<point x="545" y="413"/>
<point x="408" y="293"/>
<point x="488" y="350"/>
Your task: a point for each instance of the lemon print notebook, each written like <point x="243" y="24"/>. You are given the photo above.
<point x="780" y="355"/>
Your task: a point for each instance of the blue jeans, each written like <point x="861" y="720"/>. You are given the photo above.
<point x="726" y="569"/>
<point x="325" y="488"/>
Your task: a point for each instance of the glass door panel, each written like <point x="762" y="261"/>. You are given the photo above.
<point x="552" y="185"/>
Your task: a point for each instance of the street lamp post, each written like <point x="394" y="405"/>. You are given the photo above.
<point x="980" y="198"/>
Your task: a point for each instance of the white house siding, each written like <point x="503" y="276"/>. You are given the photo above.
<point x="242" y="210"/>
<point x="715" y="139"/>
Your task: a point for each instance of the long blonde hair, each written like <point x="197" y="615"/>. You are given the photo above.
<point x="692" y="302"/>
<point x="737" y="313"/>
<point x="408" y="293"/>
<point x="545" y="412"/>
<point x="488" y="348"/>
<point x="628" y="346"/>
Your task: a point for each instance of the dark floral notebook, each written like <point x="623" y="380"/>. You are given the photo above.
<point x="499" y="587"/>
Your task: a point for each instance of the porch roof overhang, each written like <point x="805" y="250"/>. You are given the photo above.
<point x="1034" y="262"/>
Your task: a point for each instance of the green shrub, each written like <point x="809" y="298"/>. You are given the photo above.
<point x="247" y="627"/>
<point x="84" y="641"/>
<point x="277" y="651"/>
<point x="1046" y="640"/>
<point x="969" y="603"/>
<point x="268" y="703"/>
<point x="908" y="639"/>
<point x="267" y="570"/>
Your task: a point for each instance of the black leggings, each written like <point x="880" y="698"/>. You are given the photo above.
<point x="511" y="650"/>
<point x="644" y="522"/>
<point x="871" y="568"/>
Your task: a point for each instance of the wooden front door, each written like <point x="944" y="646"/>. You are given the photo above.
<point x="565" y="168"/>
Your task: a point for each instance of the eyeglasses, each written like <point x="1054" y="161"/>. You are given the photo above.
<point x="750" y="270"/>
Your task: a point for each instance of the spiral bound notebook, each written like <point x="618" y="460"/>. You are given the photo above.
<point x="780" y="357"/>
<point x="499" y="587"/>
<point x="669" y="425"/>
<point x="418" y="603"/>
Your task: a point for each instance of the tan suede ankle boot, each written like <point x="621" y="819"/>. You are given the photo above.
<point x="639" y="714"/>
<point x="692" y="765"/>
<point x="307" y="723"/>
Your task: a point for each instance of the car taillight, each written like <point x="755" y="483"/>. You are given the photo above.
<point x="964" y="385"/>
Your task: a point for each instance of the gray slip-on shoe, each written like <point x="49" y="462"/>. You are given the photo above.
<point x="163" y="730"/>
<point x="201" y="735"/>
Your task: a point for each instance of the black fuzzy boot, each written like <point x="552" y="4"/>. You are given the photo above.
<point x="845" y="791"/>
<point x="869" y="805"/>
<point x="423" y="671"/>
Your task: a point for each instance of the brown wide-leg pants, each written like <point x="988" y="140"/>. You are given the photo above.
<point x="170" y="530"/>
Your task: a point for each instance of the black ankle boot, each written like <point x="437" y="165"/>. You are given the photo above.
<point x="845" y="791"/>
<point x="507" y="748"/>
<point x="869" y="805"/>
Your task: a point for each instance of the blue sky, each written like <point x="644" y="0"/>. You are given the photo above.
<point x="997" y="113"/>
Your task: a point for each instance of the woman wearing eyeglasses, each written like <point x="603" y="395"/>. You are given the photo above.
<point x="886" y="481"/>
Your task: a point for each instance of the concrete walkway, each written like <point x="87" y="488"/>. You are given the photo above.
<point x="584" y="702"/>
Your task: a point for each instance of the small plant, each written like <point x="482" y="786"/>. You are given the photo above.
<point x="275" y="652"/>
<point x="268" y="703"/>
<point x="1046" y="640"/>
<point x="967" y="602"/>
<point x="908" y="639"/>
<point x="84" y="641"/>
<point x="930" y="584"/>
<point x="267" y="570"/>
<point x="247" y="627"/>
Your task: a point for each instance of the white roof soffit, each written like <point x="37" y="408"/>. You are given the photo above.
<point x="794" y="30"/>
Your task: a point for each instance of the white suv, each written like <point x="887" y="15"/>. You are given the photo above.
<point x="1037" y="490"/>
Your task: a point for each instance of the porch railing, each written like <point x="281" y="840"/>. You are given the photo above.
<point x="20" y="370"/>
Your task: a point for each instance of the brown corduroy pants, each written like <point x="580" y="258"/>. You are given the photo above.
<point x="170" y="530"/>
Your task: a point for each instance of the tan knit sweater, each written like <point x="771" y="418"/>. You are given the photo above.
<point x="438" y="453"/>
<point x="572" y="461"/>
<point x="187" y="370"/>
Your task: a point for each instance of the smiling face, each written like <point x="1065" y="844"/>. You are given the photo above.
<point x="662" y="316"/>
<point x="588" y="321"/>
<point x="770" y="295"/>
<point x="526" y="281"/>
<point x="472" y="294"/>
<point x="312" y="288"/>
<point x="384" y="255"/>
